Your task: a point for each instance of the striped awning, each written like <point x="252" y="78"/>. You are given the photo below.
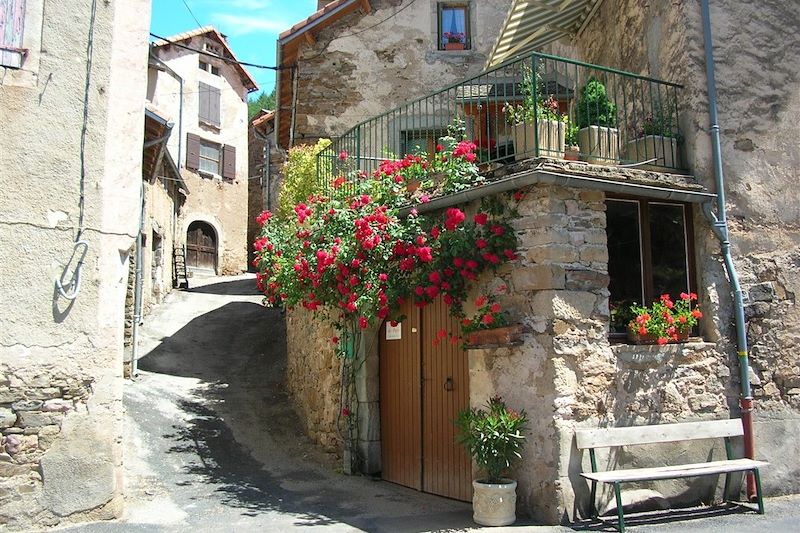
<point x="532" y="24"/>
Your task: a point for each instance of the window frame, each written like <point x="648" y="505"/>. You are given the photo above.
<point x="645" y="247"/>
<point x="201" y="158"/>
<point x="466" y="7"/>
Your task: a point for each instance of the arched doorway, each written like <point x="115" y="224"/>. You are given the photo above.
<point x="201" y="246"/>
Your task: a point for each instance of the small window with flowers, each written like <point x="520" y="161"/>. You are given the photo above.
<point x="454" y="26"/>
<point x="650" y="261"/>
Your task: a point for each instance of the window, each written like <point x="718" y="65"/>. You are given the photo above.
<point x="649" y="253"/>
<point x="210" y="157"/>
<point x="454" y="28"/>
<point x="208" y="111"/>
<point x="12" y="25"/>
<point x="213" y="69"/>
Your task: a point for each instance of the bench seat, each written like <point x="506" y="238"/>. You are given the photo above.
<point x="674" y="472"/>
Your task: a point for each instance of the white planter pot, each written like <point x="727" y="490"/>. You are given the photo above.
<point x="663" y="149"/>
<point x="494" y="504"/>
<point x="551" y="140"/>
<point x="599" y="145"/>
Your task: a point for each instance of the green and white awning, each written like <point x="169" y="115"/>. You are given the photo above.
<point x="532" y="24"/>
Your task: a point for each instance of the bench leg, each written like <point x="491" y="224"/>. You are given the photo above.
<point x="758" y="491"/>
<point x="593" y="508"/>
<point x="619" y="507"/>
<point x="726" y="489"/>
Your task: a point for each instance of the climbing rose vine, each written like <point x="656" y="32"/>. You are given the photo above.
<point x="350" y="253"/>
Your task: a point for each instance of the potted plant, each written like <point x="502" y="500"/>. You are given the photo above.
<point x="537" y="121"/>
<point x="657" y="138"/>
<point x="572" y="151"/>
<point x="598" y="136"/>
<point x="489" y="326"/>
<point x="666" y="321"/>
<point x="494" y="439"/>
<point x="454" y="40"/>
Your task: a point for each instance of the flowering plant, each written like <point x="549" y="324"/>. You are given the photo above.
<point x="665" y="320"/>
<point x="492" y="437"/>
<point x="534" y="103"/>
<point x="454" y="37"/>
<point x="488" y="315"/>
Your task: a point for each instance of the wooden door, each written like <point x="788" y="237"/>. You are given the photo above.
<point x="423" y="386"/>
<point x="201" y="246"/>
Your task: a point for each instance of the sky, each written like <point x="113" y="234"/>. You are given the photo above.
<point x="252" y="26"/>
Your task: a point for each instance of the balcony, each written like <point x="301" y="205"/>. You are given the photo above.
<point x="539" y="106"/>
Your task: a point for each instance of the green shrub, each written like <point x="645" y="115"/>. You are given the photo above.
<point x="300" y="176"/>
<point x="594" y="107"/>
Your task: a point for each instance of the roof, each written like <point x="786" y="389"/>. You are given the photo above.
<point x="289" y="43"/>
<point x="157" y="129"/>
<point x="211" y="32"/>
<point x="262" y="117"/>
<point x="531" y="24"/>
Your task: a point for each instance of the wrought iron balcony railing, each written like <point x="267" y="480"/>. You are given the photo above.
<point x="536" y="106"/>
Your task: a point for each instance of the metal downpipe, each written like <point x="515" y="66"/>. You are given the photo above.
<point x="720" y="227"/>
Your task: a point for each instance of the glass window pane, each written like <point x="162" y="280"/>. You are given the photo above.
<point x="211" y="152"/>
<point x="453" y="25"/>
<point x="668" y="249"/>
<point x="624" y="260"/>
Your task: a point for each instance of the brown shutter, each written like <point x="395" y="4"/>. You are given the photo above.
<point x="213" y="105"/>
<point x="192" y="151"/>
<point x="203" y="109"/>
<point x="229" y="162"/>
<point x="12" y="24"/>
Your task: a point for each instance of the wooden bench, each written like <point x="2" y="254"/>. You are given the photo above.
<point x="592" y="439"/>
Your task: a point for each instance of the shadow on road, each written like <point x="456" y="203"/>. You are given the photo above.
<point x="609" y="523"/>
<point x="241" y="287"/>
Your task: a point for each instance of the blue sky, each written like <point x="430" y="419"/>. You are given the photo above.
<point x="252" y="26"/>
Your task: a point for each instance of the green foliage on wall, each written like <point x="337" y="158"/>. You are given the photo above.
<point x="299" y="176"/>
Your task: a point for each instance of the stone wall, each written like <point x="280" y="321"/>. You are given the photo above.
<point x="313" y="377"/>
<point x="359" y="69"/>
<point x="61" y="359"/>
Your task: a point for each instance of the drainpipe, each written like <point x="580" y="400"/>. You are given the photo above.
<point x="137" y="287"/>
<point x="719" y="225"/>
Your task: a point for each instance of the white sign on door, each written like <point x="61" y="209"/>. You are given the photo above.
<point x="394" y="333"/>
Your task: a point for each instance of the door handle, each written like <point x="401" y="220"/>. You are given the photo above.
<point x="448" y="384"/>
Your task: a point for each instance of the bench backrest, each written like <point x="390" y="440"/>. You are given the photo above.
<point x="608" y="437"/>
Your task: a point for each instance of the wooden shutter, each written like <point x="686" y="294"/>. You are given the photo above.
<point x="192" y="151"/>
<point x="208" y="110"/>
<point x="12" y="24"/>
<point x="229" y="162"/>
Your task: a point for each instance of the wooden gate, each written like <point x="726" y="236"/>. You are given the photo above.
<point x="201" y="246"/>
<point x="424" y="384"/>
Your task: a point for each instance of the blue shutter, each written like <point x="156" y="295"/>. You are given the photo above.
<point x="12" y="24"/>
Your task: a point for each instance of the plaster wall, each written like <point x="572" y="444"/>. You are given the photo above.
<point x="60" y="359"/>
<point x="359" y="69"/>
<point x="225" y="200"/>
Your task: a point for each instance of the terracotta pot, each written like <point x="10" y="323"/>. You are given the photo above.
<point x="635" y="338"/>
<point x="503" y="336"/>
<point x="494" y="504"/>
<point x="412" y="185"/>
<point x="572" y="153"/>
<point x="454" y="46"/>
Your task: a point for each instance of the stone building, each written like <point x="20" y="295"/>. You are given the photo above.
<point x="571" y="370"/>
<point x="194" y="77"/>
<point x="265" y="162"/>
<point x="73" y="129"/>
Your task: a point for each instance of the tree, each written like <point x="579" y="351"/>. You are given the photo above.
<point x="262" y="101"/>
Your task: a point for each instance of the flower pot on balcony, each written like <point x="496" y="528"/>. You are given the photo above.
<point x="454" y="46"/>
<point x="551" y="135"/>
<point x="663" y="149"/>
<point x="599" y="145"/>
<point x="503" y="336"/>
<point x="572" y="153"/>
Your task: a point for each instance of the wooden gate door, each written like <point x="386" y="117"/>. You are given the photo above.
<point x="201" y="246"/>
<point x="423" y="386"/>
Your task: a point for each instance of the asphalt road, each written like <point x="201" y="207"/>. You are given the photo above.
<point x="212" y="443"/>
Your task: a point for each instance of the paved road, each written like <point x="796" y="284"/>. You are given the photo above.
<point x="211" y="443"/>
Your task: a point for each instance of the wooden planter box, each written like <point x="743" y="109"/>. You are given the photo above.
<point x="599" y="145"/>
<point x="551" y="139"/>
<point x="663" y="149"/>
<point x="635" y="338"/>
<point x="454" y="46"/>
<point x="504" y="336"/>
